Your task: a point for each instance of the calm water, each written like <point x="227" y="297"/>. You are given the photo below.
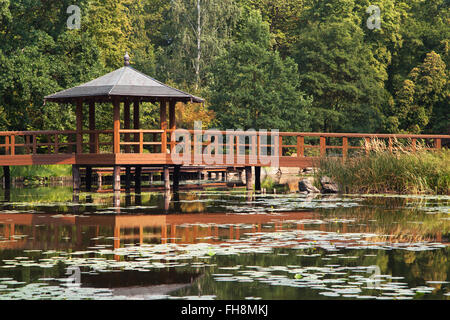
<point x="222" y="245"/>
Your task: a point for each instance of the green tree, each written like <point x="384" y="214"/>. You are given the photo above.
<point x="196" y="32"/>
<point x="283" y="17"/>
<point x="340" y="72"/>
<point x="425" y="94"/>
<point x="253" y="87"/>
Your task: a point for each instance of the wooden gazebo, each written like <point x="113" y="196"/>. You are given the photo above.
<point x="125" y="86"/>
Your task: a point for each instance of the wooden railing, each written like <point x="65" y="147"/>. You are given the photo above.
<point x="55" y="142"/>
<point x="142" y="138"/>
<point x="307" y="144"/>
<point x="288" y="144"/>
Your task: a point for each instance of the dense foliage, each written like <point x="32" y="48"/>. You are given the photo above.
<point x="286" y="64"/>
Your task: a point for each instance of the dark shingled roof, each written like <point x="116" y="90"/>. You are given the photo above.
<point x="124" y="82"/>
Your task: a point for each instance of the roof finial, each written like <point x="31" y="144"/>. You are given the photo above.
<point x="126" y="59"/>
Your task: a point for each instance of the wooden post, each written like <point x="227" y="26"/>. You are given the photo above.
<point x="323" y="147"/>
<point x="248" y="178"/>
<point x="126" y="123"/>
<point x="166" y="178"/>
<point x="92" y="136"/>
<point x="163" y="121"/>
<point x="116" y="179"/>
<point x="88" y="178"/>
<point x="300" y="146"/>
<point x="7" y="177"/>
<point x="163" y="114"/>
<point x="437" y="144"/>
<point x="136" y="123"/>
<point x="137" y="179"/>
<point x="79" y="115"/>
<point x="344" y="148"/>
<point x="258" y="178"/>
<point x="116" y="118"/>
<point x="76" y="177"/>
<point x="99" y="181"/>
<point x="127" y="179"/>
<point x="172" y="123"/>
<point x="176" y="178"/>
<point x="413" y="145"/>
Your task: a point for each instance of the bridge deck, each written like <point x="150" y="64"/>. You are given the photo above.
<point x="160" y="147"/>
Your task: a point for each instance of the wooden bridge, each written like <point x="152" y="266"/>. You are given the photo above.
<point x="128" y="147"/>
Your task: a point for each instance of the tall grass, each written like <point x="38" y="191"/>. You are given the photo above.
<point x="377" y="170"/>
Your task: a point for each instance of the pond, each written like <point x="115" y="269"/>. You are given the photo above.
<point x="222" y="244"/>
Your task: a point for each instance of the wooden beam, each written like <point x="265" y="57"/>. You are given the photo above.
<point x="116" y="119"/>
<point x="79" y="115"/>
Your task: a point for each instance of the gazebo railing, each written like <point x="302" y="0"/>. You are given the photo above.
<point x="55" y="142"/>
<point x="143" y="141"/>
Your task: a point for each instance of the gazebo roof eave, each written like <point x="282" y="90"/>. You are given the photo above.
<point x="110" y="99"/>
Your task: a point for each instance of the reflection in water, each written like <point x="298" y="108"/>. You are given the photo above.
<point x="226" y="245"/>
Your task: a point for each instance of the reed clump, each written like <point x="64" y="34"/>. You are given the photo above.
<point x="403" y="168"/>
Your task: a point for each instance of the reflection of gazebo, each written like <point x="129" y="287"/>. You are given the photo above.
<point x="127" y="86"/>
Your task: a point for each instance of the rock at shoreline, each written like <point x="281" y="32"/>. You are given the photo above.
<point x="328" y="186"/>
<point x="306" y="185"/>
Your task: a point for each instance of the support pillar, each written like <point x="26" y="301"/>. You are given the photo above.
<point x="248" y="178"/>
<point x="76" y="178"/>
<point x="99" y="181"/>
<point x="258" y="178"/>
<point x="176" y="178"/>
<point x="88" y="178"/>
<point x="116" y="179"/>
<point x="137" y="179"/>
<point x="127" y="179"/>
<point x="7" y="177"/>
<point x="166" y="178"/>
